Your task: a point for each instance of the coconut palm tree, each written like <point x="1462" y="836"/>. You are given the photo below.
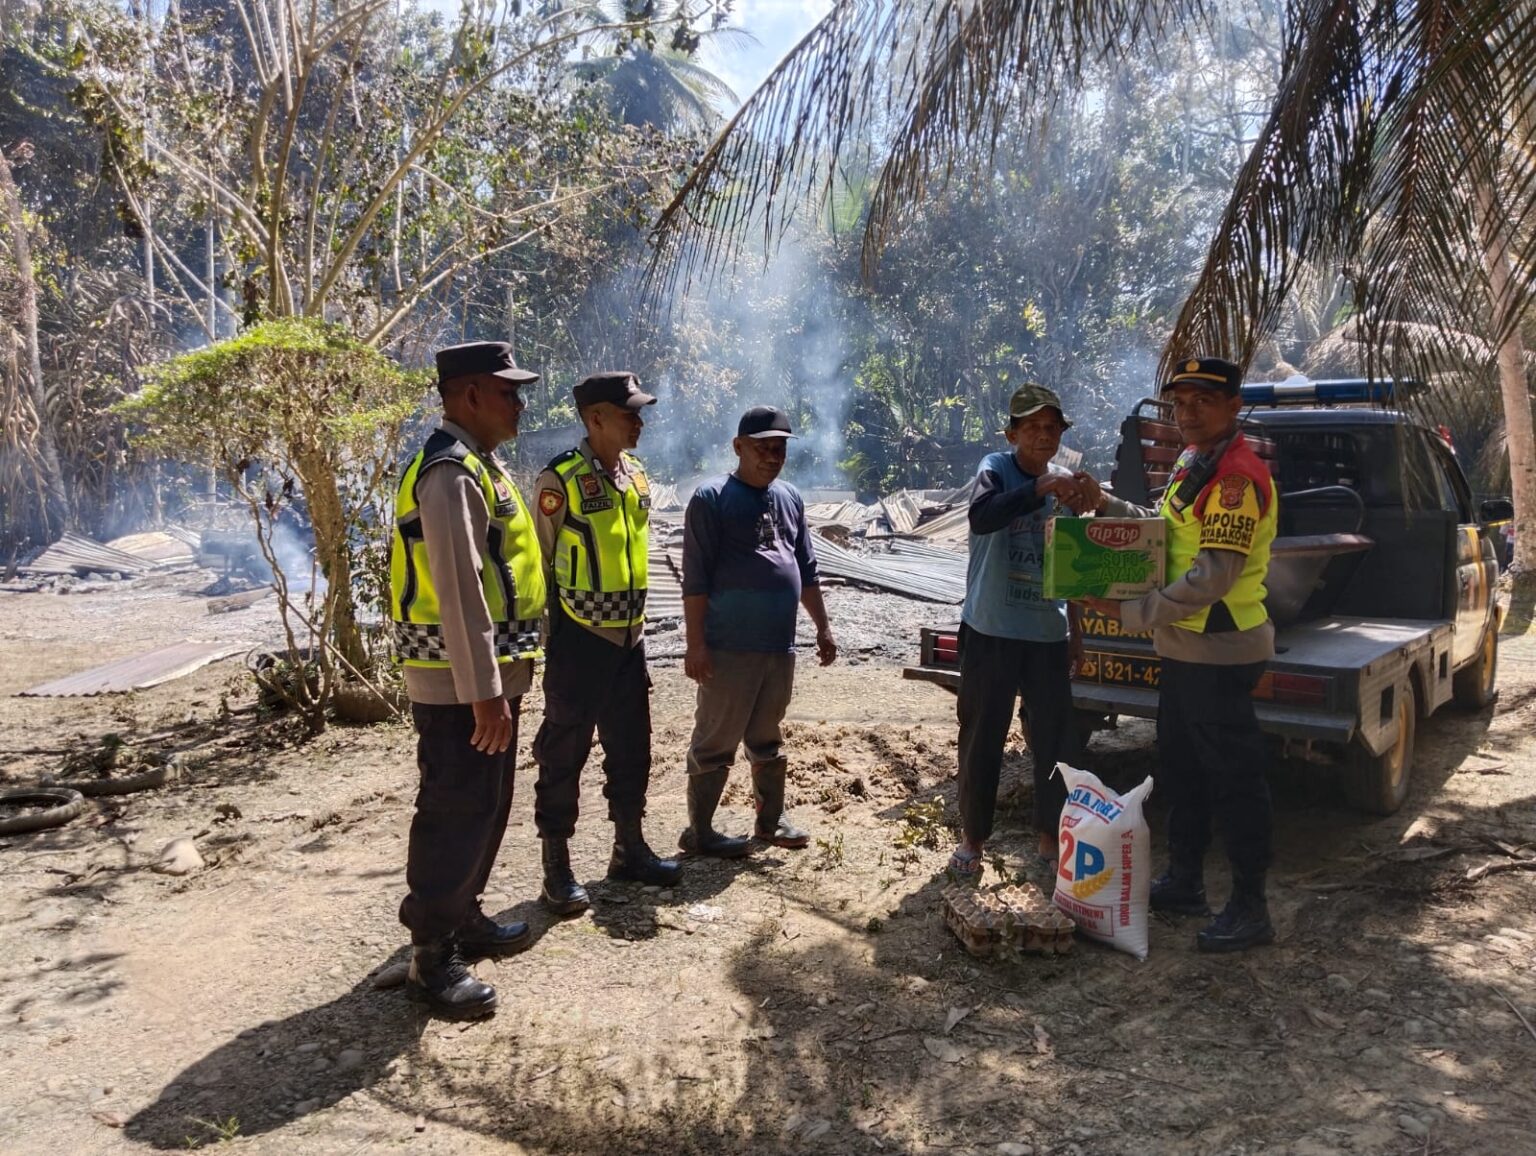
<point x="647" y="70"/>
<point x="1397" y="149"/>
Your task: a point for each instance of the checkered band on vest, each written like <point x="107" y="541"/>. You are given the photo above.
<point x="424" y="641"/>
<point x="602" y="606"/>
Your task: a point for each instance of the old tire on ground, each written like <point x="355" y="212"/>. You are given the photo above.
<point x="1378" y="784"/>
<point x="1476" y="684"/>
<point x="59" y="805"/>
<point x="125" y="784"/>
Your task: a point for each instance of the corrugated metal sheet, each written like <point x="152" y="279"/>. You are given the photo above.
<point x="952" y="526"/>
<point x="901" y="511"/>
<point x="137" y="672"/>
<point x="157" y="547"/>
<point x="929" y="573"/>
<point x="848" y="514"/>
<point x="75" y="554"/>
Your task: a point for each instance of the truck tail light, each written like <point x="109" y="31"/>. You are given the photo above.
<point x="946" y="649"/>
<point x="1300" y="689"/>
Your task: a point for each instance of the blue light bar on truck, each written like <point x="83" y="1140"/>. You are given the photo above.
<point x="1300" y="391"/>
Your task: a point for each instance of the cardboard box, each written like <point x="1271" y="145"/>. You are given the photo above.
<point x="1105" y="557"/>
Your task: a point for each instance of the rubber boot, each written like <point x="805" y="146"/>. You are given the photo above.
<point x="700" y="836"/>
<point x="1181" y="889"/>
<point x="634" y="860"/>
<point x="768" y="791"/>
<point x="439" y="978"/>
<point x="561" y="894"/>
<point x="481" y="937"/>
<point x="1243" y="923"/>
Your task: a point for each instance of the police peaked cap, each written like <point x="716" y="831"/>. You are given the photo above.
<point x="492" y="357"/>
<point x="1208" y="373"/>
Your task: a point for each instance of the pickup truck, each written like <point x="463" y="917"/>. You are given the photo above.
<point x="1380" y="584"/>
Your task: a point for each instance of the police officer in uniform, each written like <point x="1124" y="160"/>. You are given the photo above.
<point x="593" y="515"/>
<point x="467" y="595"/>
<point x="1213" y="637"/>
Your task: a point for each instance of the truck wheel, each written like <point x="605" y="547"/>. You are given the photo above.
<point x="38" y="809"/>
<point x="1474" y="686"/>
<point x="1378" y="784"/>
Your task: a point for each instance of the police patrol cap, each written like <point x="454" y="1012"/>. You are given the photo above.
<point x="621" y="389"/>
<point x="1207" y="373"/>
<point x="1031" y="398"/>
<point x="492" y="357"/>
<point x="763" y="421"/>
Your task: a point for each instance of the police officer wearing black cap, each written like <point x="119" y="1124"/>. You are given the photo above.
<point x="593" y="514"/>
<point x="467" y="596"/>
<point x="1214" y="638"/>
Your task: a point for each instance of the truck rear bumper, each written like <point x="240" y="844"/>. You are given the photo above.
<point x="949" y="679"/>
<point x="1292" y="722"/>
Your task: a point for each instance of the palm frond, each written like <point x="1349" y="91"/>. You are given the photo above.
<point x="1296" y="196"/>
<point x="909" y="84"/>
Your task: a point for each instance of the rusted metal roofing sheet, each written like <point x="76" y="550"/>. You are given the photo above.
<point x="138" y="671"/>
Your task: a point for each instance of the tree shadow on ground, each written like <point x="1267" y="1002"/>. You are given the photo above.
<point x="280" y="1070"/>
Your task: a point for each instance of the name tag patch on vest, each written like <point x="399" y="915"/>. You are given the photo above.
<point x="593" y="505"/>
<point x="1232" y="522"/>
<point x="506" y="505"/>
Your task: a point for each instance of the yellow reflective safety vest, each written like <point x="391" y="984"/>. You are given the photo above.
<point x="600" y="552"/>
<point x="1238" y="510"/>
<point x="511" y="567"/>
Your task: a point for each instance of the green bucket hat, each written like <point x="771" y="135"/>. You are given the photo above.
<point x="1031" y="398"/>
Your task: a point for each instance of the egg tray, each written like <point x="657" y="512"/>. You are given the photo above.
<point x="1015" y="918"/>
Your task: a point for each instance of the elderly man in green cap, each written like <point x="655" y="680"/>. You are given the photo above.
<point x="1013" y="640"/>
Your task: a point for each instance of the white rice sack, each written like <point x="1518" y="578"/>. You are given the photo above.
<point x="1105" y="870"/>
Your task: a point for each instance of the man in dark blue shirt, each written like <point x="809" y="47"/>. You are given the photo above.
<point x="747" y="565"/>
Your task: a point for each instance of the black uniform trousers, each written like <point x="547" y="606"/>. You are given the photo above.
<point x="993" y="672"/>
<point x="1213" y="758"/>
<point x="590" y="685"/>
<point x="462" y="805"/>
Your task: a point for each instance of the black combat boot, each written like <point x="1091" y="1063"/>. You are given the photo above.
<point x="1180" y="890"/>
<point x="439" y="978"/>
<point x="768" y="791"/>
<point x="1243" y="923"/>
<point x="700" y="836"/>
<point x="633" y="860"/>
<point x="562" y="894"/>
<point x="481" y="937"/>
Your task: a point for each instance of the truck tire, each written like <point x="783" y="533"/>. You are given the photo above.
<point x="1475" y="685"/>
<point x="1378" y="784"/>
<point x="58" y="806"/>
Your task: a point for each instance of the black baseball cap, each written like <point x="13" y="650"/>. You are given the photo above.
<point x="492" y="357"/>
<point x="620" y="388"/>
<point x="763" y="421"/>
<point x="1208" y="373"/>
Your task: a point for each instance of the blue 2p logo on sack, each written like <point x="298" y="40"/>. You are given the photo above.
<point x="1104" y="874"/>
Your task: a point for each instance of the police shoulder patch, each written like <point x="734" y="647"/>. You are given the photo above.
<point x="1232" y="487"/>
<point x="550" y="502"/>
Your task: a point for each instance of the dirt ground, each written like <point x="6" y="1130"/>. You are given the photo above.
<point x="794" y="1002"/>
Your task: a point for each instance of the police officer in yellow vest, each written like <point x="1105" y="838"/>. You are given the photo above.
<point x="467" y="590"/>
<point x="1214" y="638"/>
<point x="593" y="516"/>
